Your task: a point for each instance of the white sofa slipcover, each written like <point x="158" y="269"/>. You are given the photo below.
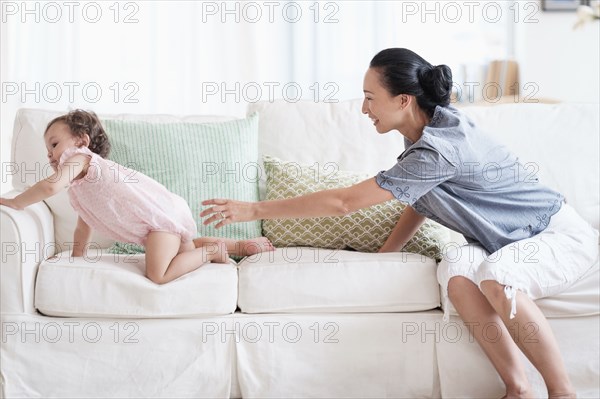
<point x="348" y="334"/>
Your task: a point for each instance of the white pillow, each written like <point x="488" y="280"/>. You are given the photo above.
<point x="307" y="132"/>
<point x="559" y="142"/>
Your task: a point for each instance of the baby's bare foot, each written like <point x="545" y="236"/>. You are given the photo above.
<point x="221" y="255"/>
<point x="254" y="246"/>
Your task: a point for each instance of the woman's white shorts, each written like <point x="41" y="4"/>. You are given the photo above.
<point x="540" y="266"/>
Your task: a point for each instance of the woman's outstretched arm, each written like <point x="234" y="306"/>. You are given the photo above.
<point x="335" y="202"/>
<point x="405" y="229"/>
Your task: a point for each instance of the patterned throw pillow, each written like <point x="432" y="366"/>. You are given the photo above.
<point x="365" y="230"/>
<point x="196" y="161"/>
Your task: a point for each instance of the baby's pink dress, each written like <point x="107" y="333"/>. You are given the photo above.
<point x="124" y="204"/>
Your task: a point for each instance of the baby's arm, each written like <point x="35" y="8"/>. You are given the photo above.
<point x="81" y="238"/>
<point x="46" y="188"/>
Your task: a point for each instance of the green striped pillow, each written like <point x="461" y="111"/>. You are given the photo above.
<point x="195" y="161"/>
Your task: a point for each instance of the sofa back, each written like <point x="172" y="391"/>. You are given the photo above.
<point x="558" y="141"/>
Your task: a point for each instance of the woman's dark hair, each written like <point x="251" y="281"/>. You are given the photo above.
<point x="82" y="122"/>
<point x="405" y="72"/>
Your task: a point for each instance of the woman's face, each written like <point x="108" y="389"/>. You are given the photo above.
<point x="384" y="109"/>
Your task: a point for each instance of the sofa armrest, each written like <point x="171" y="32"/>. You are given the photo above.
<point x="27" y="239"/>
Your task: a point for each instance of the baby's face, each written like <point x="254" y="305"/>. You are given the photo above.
<point x="58" y="138"/>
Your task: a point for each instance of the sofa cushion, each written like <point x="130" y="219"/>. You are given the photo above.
<point x="365" y="230"/>
<point x="300" y="279"/>
<point x="580" y="299"/>
<point x="29" y="157"/>
<point x="109" y="285"/>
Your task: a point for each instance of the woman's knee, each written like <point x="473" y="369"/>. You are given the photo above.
<point x="458" y="287"/>
<point x="492" y="290"/>
<point x="488" y="279"/>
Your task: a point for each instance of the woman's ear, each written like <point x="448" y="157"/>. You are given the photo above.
<point x="403" y="100"/>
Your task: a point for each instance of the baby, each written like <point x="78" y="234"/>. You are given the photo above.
<point x="142" y="212"/>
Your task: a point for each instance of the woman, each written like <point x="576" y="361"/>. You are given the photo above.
<point x="452" y="173"/>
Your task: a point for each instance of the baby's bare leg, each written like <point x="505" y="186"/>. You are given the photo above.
<point x="238" y="247"/>
<point x="167" y="258"/>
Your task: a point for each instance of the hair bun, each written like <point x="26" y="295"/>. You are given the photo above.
<point x="436" y="82"/>
<point x="403" y="71"/>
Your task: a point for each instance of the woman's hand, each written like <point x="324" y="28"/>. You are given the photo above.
<point x="225" y="211"/>
<point x="11" y="203"/>
<point x="334" y="202"/>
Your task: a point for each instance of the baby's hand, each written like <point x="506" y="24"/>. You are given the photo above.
<point x="11" y="203"/>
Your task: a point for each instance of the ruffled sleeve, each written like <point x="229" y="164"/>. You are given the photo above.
<point x="70" y="153"/>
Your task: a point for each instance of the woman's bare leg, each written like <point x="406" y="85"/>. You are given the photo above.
<point x="474" y="309"/>
<point x="533" y="335"/>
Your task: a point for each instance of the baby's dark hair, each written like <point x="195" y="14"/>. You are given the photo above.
<point x="82" y="122"/>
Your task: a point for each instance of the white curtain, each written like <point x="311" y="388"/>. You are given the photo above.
<point x="205" y="57"/>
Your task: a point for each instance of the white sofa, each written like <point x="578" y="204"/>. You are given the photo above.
<point x="300" y="322"/>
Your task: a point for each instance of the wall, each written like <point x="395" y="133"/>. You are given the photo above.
<point x="564" y="63"/>
<point x="558" y="62"/>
